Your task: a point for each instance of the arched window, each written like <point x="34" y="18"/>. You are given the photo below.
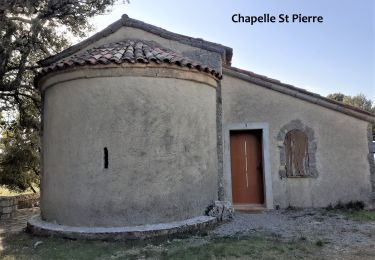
<point x="296" y="154"/>
<point x="297" y="145"/>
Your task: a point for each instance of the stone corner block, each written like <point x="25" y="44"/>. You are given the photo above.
<point x="7" y="201"/>
<point x="221" y="210"/>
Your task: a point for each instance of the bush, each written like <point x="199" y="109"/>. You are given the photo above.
<point x="352" y="205"/>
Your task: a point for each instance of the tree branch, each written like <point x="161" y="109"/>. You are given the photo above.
<point x="20" y="19"/>
<point x="7" y="87"/>
<point x="16" y="94"/>
<point x="31" y="187"/>
<point x="26" y="68"/>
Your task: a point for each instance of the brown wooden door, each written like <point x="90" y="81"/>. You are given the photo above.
<point x="246" y="167"/>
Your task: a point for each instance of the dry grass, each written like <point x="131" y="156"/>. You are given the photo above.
<point x="24" y="246"/>
<point x="7" y="192"/>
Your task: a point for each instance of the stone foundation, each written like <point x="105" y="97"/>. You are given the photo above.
<point x="221" y="210"/>
<point x="156" y="231"/>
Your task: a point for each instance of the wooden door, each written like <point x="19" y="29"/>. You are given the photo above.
<point x="246" y="166"/>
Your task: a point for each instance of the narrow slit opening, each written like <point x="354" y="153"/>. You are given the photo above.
<point x="105" y="158"/>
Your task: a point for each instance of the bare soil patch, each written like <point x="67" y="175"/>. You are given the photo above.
<point x="340" y="233"/>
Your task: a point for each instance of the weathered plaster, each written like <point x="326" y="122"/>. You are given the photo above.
<point x="341" y="156"/>
<point x="121" y="70"/>
<point x="287" y="89"/>
<point x="219" y="130"/>
<point x="161" y="138"/>
<point x="371" y="157"/>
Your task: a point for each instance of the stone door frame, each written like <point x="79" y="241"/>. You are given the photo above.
<point x="227" y="176"/>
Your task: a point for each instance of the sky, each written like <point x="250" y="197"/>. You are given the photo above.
<point x="334" y="56"/>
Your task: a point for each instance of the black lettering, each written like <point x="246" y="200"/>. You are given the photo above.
<point x="283" y="18"/>
<point x="295" y="17"/>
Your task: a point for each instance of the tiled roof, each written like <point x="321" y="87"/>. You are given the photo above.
<point x="125" y="21"/>
<point x="129" y="51"/>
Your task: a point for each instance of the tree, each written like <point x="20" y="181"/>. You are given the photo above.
<point x="359" y="101"/>
<point x="20" y="157"/>
<point x="31" y="30"/>
<point x="337" y="97"/>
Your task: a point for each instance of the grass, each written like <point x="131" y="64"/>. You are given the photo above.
<point x="6" y="192"/>
<point x="363" y="215"/>
<point x="248" y="247"/>
<point x="353" y="210"/>
<point x="25" y="246"/>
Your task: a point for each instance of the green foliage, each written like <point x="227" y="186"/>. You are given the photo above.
<point x="31" y="30"/>
<point x="19" y="159"/>
<point x="337" y="96"/>
<point x="359" y="101"/>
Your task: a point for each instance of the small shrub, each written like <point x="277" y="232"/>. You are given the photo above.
<point x="355" y="205"/>
<point x="290" y="207"/>
<point x="352" y="205"/>
<point x="209" y="208"/>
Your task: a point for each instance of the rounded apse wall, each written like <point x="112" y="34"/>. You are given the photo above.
<point x="128" y="145"/>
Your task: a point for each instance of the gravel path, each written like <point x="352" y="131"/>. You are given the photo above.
<point x="340" y="236"/>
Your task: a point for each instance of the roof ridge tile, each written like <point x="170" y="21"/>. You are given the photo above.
<point x="131" y="51"/>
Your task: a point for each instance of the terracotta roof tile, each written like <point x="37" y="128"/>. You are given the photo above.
<point x="129" y="51"/>
<point x="126" y="21"/>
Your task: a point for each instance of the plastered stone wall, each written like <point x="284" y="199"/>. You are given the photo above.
<point x="341" y="157"/>
<point x="160" y="133"/>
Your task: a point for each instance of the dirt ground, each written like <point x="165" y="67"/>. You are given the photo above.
<point x="340" y="236"/>
<point x="278" y="234"/>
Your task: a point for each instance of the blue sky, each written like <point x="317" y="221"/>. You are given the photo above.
<point x="334" y="56"/>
